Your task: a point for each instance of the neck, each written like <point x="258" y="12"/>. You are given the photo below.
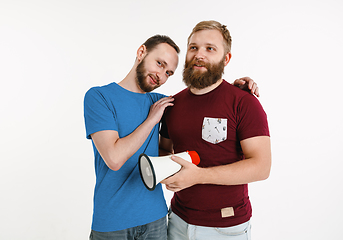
<point x="206" y="89"/>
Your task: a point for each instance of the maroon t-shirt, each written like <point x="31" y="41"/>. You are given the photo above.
<point x="213" y="124"/>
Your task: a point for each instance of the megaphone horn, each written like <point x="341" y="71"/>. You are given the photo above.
<point x="154" y="169"/>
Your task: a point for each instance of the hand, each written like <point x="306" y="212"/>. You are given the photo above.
<point x="186" y="177"/>
<point x="247" y="84"/>
<point x="157" y="109"/>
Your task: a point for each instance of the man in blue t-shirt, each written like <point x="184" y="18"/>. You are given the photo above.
<point x="122" y="120"/>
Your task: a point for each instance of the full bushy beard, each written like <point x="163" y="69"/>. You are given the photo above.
<point x="141" y="78"/>
<point x="198" y="79"/>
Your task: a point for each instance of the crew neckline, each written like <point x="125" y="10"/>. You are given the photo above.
<point x="213" y="90"/>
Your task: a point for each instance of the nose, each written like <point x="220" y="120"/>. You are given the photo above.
<point x="199" y="58"/>
<point x="159" y="76"/>
<point x="200" y="54"/>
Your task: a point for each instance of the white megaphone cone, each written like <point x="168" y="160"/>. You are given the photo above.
<point x="154" y="169"/>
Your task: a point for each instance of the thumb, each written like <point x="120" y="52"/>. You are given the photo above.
<point x="180" y="161"/>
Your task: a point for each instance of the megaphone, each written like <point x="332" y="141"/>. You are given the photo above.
<point x="154" y="169"/>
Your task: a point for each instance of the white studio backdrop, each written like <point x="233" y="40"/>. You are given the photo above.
<point x="52" y="52"/>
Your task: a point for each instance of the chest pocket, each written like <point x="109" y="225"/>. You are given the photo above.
<point x="214" y="130"/>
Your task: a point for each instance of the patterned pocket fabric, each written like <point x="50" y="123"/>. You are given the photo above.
<point x="214" y="130"/>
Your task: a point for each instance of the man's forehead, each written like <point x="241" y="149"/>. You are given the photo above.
<point x="166" y="53"/>
<point x="164" y="47"/>
<point x="206" y="36"/>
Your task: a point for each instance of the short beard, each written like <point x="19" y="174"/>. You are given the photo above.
<point x="200" y="80"/>
<point x="141" y="78"/>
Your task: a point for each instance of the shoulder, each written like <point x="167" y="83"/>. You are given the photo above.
<point x="236" y="91"/>
<point x="232" y="94"/>
<point x="249" y="99"/>
<point x="92" y="93"/>
<point x="156" y="96"/>
<point x="243" y="100"/>
<point x="182" y="93"/>
<point x="102" y="90"/>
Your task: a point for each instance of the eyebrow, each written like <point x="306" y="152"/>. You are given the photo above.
<point x="206" y="44"/>
<point x="171" y="72"/>
<point x="211" y="45"/>
<point x="166" y="64"/>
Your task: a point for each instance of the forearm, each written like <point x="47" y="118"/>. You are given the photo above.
<point x="165" y="146"/>
<point x="255" y="167"/>
<point x="242" y="172"/>
<point x="116" y="151"/>
<point x="127" y="146"/>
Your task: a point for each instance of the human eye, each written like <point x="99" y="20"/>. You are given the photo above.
<point x="210" y="48"/>
<point x="192" y="48"/>
<point x="159" y="63"/>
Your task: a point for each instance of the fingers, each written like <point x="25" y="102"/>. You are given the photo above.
<point x="254" y="88"/>
<point x="250" y="83"/>
<point x="256" y="91"/>
<point x="165" y="101"/>
<point x="172" y="188"/>
<point x="157" y="109"/>
<point x="179" y="160"/>
<point x="171" y="185"/>
<point x="245" y="81"/>
<point x="239" y="82"/>
<point x="162" y="103"/>
<point x="168" y="181"/>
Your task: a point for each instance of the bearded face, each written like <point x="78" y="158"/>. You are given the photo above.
<point x="142" y="78"/>
<point x="201" y="79"/>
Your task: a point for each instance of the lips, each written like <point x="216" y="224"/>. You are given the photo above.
<point x="153" y="80"/>
<point x="199" y="65"/>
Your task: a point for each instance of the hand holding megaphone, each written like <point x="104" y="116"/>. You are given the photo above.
<point x="155" y="169"/>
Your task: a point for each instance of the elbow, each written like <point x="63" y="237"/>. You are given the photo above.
<point x="115" y="167"/>
<point x="113" y="164"/>
<point x="265" y="173"/>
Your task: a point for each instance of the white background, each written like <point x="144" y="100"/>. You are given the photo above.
<point x="52" y="52"/>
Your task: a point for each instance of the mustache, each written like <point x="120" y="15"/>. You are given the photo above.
<point x="197" y="62"/>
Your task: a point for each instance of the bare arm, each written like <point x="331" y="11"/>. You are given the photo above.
<point x="116" y="151"/>
<point x="255" y="167"/>
<point x="165" y="147"/>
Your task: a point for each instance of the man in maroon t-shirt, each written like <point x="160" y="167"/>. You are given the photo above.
<point x="228" y="128"/>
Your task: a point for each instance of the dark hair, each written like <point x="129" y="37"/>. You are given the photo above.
<point x="153" y="41"/>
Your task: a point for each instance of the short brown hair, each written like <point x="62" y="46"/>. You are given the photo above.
<point x="153" y="41"/>
<point x="214" y="25"/>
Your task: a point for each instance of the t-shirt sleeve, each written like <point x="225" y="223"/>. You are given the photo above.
<point x="97" y="113"/>
<point x="252" y="119"/>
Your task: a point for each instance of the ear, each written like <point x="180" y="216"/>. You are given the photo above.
<point x="141" y="52"/>
<point x="227" y="58"/>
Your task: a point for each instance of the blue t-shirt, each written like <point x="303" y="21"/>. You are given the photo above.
<point x="120" y="198"/>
